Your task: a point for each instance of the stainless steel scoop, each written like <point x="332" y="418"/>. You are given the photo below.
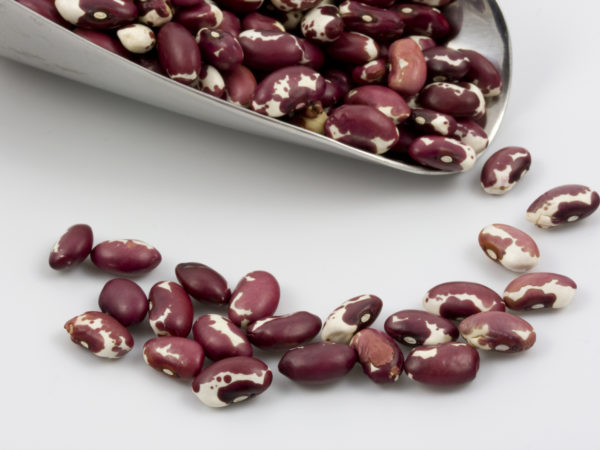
<point x="31" y="39"/>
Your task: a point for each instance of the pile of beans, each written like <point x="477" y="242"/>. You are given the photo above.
<point x="373" y="74"/>
<point x="451" y="310"/>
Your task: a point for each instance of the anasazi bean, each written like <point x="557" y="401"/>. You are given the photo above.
<point x="171" y="310"/>
<point x="125" y="257"/>
<point x="220" y="337"/>
<point x="72" y="247"/>
<point x="100" y="333"/>
<point x="509" y="247"/>
<point x="498" y="331"/>
<point x="459" y="299"/>
<point x="563" y="204"/>
<point x="539" y="290"/>
<point x="504" y="169"/>
<point x="351" y="316"/>
<point x="174" y="356"/>
<point x="97" y="14"/>
<point x="256" y="296"/>
<point x="378" y="354"/>
<point x="413" y="327"/>
<point x="284" y="332"/>
<point x="320" y="362"/>
<point x="445" y="364"/>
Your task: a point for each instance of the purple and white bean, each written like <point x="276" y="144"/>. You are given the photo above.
<point x="509" y="247"/>
<point x="414" y="327"/>
<point x="380" y="357"/>
<point x="174" y="356"/>
<point x="446" y="364"/>
<point x="255" y="297"/>
<point x="541" y="290"/>
<point x="350" y="317"/>
<point x="171" y="310"/>
<point x="100" y="333"/>
<point x="459" y="299"/>
<point x="498" y="331"/>
<point x="220" y="337"/>
<point x="504" y="169"/>
<point x="284" y="332"/>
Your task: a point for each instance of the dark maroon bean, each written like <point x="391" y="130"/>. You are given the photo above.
<point x="150" y="61"/>
<point x="504" y="169"/>
<point x="317" y="363"/>
<point x="203" y="283"/>
<point x="408" y="69"/>
<point x="458" y="100"/>
<point x="363" y="127"/>
<point x="483" y="74"/>
<point x="286" y="90"/>
<point x="240" y="86"/>
<point x="322" y="24"/>
<point x="232" y="380"/>
<point x="256" y="296"/>
<point x="260" y="22"/>
<point x="460" y="299"/>
<point x="383" y="25"/>
<point x="178" y="53"/>
<point x="370" y="73"/>
<point x="72" y="247"/>
<point x="498" y="331"/>
<point x="219" y="48"/>
<point x="399" y="151"/>
<point x="331" y="96"/>
<point x="379" y="356"/>
<point x="424" y="42"/>
<point x="220" y="337"/>
<point x="427" y="121"/>
<point x="294" y="5"/>
<point x="97" y="14"/>
<point x="174" y="356"/>
<point x="100" y="333"/>
<point x="47" y="9"/>
<point x="312" y="55"/>
<point x="350" y="317"/>
<point x="155" y="13"/>
<point x="509" y="247"/>
<point x="423" y="20"/>
<point x="104" y="40"/>
<point x="442" y="153"/>
<point x="240" y="6"/>
<point x="124" y="300"/>
<point x="230" y="24"/>
<point x="446" y="64"/>
<point x="386" y="100"/>
<point x="442" y="365"/>
<point x="414" y="327"/>
<point x="171" y="310"/>
<point x="539" y="290"/>
<point x="470" y="133"/>
<point x="270" y="50"/>
<point x="353" y="48"/>
<point x="284" y="332"/>
<point x="563" y="204"/>
<point x="125" y="257"/>
<point x="204" y="15"/>
<point x="289" y="19"/>
<point x="211" y="81"/>
<point x="340" y="78"/>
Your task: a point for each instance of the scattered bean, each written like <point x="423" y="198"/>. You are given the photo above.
<point x="220" y="337"/>
<point x="203" y="283"/>
<point x="125" y="257"/>
<point x="350" y="317"/>
<point x="171" y="310"/>
<point x="498" y="331"/>
<point x="124" y="300"/>
<point x="459" y="299"/>
<point x="101" y="334"/>
<point x="320" y="362"/>
<point x="255" y="297"/>
<point x="284" y="332"/>
<point x="446" y="364"/>
<point x="509" y="247"/>
<point x="174" y="356"/>
<point x="539" y="290"/>
<point x="414" y="327"/>
<point x="504" y="169"/>
<point x="72" y="247"/>
<point x="378" y="354"/>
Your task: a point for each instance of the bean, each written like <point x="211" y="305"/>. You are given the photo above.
<point x="240" y="86"/>
<point x="427" y="121"/>
<point x="178" y="53"/>
<point x="320" y="362"/>
<point x="458" y="100"/>
<point x="509" y="247"/>
<point x="380" y="357"/>
<point x="220" y="337"/>
<point x="424" y="42"/>
<point x="294" y="5"/>
<point x="203" y="283"/>
<point x="383" y="25"/>
<point x="137" y="38"/>
<point x="498" y="331"/>
<point x="423" y="20"/>
<point x="255" y="297"/>
<point x="504" y="169"/>
<point x="312" y="56"/>
<point x="270" y="50"/>
<point x="219" y="48"/>
<point x="370" y="73"/>
<point x="400" y="149"/>
<point x="171" y="310"/>
<point x="47" y="9"/>
<point x="563" y="204"/>
<point x="257" y="21"/>
<point x="211" y="81"/>
<point x="205" y="15"/>
<point x="446" y="364"/>
<point x="230" y="24"/>
<point x="241" y="6"/>
<point x="103" y="40"/>
<point x="72" y="247"/>
<point x="413" y="327"/>
<point x="97" y="14"/>
<point x="353" y="48"/>
<point x="460" y="299"/>
<point x="385" y="100"/>
<point x="232" y="380"/>
<point x="312" y="117"/>
<point x="174" y="356"/>
<point x="101" y="334"/>
<point x="442" y="153"/>
<point x="446" y="64"/>
<point x="408" y="69"/>
<point x="539" y="290"/>
<point x="283" y="332"/>
<point x="350" y="317"/>
<point x="470" y="133"/>
<point x="483" y="74"/>
<point x="124" y="300"/>
<point x="125" y="257"/>
<point x="322" y="24"/>
<point x="155" y="13"/>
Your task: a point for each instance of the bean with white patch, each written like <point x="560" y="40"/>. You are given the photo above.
<point x="353" y="48"/>
<point x="498" y="331"/>
<point x="219" y="48"/>
<point x="211" y="81"/>
<point x="321" y="362"/>
<point x="204" y="15"/>
<point x="446" y="64"/>
<point x="384" y="99"/>
<point x="72" y="247"/>
<point x="124" y="300"/>
<point x="174" y="356"/>
<point x="408" y="69"/>
<point x="137" y="38"/>
<point x="427" y="121"/>
<point x="232" y="380"/>
<point x="562" y="205"/>
<point x="270" y="50"/>
<point x="423" y="20"/>
<point x="459" y="299"/>
<point x="220" y="337"/>
<point x="380" y="357"/>
<point x="155" y="13"/>
<point x="458" y="100"/>
<point x="483" y="74"/>
<point x="294" y="5"/>
<point x="255" y="297"/>
<point x="424" y="42"/>
<point x="125" y="257"/>
<point x="510" y="247"/>
<point x="284" y="332"/>
<point x="541" y="290"/>
<point x="171" y="310"/>
<point x="472" y="134"/>
<point x="442" y="153"/>
<point x="230" y="23"/>
<point x="97" y="14"/>
<point x="240" y="86"/>
<point x="504" y="169"/>
<point x="312" y="55"/>
<point x="322" y="24"/>
<point x="413" y="327"/>
<point x="350" y="317"/>
<point x="258" y="21"/>
<point x="178" y="53"/>
<point x="381" y="24"/>
<point x="372" y="72"/>
<point x="100" y="333"/>
<point x="446" y="364"/>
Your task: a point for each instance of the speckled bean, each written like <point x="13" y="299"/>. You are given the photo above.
<point x="270" y="50"/>
<point x="380" y="357"/>
<point x="458" y="100"/>
<point x="541" y="290"/>
<point x="100" y="333"/>
<point x="72" y="247"/>
<point x="414" y="327"/>
<point x="427" y="121"/>
<point x="171" y="310"/>
<point x="563" y="204"/>
<point x="124" y="300"/>
<point x="220" y="337"/>
<point x="509" y="247"/>
<point x="423" y="20"/>
<point x="97" y="14"/>
<point x="350" y="317"/>
<point x="483" y="74"/>
<point x="232" y="380"/>
<point x="204" y="15"/>
<point x="459" y="299"/>
<point x="504" y="169"/>
<point x="284" y="332"/>
<point x="383" y="25"/>
<point x="446" y="364"/>
<point x="154" y="13"/>
<point x="446" y="64"/>
<point x="256" y="296"/>
<point x="353" y="48"/>
<point x="174" y="356"/>
<point x="408" y="69"/>
<point x="320" y="362"/>
<point x="322" y="24"/>
<point x="442" y="153"/>
<point x="219" y="48"/>
<point x="203" y="283"/>
<point x="385" y="100"/>
<point x="125" y="257"/>
<point x="240" y="86"/>
<point x="178" y="53"/>
<point x="470" y="133"/>
<point x="498" y="331"/>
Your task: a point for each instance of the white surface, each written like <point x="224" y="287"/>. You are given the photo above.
<point x="328" y="228"/>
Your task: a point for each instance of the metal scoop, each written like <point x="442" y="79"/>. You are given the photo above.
<point x="31" y="39"/>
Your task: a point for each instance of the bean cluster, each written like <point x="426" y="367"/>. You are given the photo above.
<point x="374" y="74"/>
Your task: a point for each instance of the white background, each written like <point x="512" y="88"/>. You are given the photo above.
<point x="328" y="228"/>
